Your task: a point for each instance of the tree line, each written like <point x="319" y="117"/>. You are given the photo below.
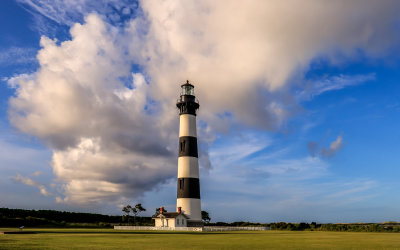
<point x="52" y="218"/>
<point x="313" y="226"/>
<point x="33" y="218"/>
<point x="340" y="227"/>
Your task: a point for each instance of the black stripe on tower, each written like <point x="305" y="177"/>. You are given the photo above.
<point x="187" y="105"/>
<point x="188" y="146"/>
<point x="188" y="188"/>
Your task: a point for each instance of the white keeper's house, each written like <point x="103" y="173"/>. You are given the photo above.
<point x="170" y="219"/>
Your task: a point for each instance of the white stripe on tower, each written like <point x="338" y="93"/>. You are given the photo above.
<point x="187" y="125"/>
<point x="192" y="207"/>
<point x="188" y="167"/>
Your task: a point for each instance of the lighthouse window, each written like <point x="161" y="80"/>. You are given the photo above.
<point x="183" y="146"/>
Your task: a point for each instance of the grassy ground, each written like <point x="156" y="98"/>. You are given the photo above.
<point x="110" y="239"/>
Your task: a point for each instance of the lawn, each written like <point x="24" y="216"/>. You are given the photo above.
<point x="109" y="239"/>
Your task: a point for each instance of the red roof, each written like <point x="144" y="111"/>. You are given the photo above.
<point x="170" y="215"/>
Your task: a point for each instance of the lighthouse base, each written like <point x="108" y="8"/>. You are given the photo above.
<point x="195" y="223"/>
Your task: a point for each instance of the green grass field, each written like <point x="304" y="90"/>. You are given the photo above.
<point x="116" y="239"/>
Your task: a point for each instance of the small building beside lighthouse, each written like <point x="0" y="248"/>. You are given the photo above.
<point x="188" y="203"/>
<point x="170" y="219"/>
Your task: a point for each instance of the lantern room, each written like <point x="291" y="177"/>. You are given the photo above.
<point x="187" y="89"/>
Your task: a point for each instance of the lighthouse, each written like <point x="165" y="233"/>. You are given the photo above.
<point x="188" y="188"/>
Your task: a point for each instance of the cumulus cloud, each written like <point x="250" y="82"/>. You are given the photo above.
<point x="13" y="82"/>
<point x="106" y="143"/>
<point x="113" y="132"/>
<point x="238" y="52"/>
<point x="316" y="149"/>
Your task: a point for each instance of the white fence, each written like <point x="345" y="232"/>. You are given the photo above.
<point x="196" y="229"/>
<point x="210" y="229"/>
<point x="199" y="229"/>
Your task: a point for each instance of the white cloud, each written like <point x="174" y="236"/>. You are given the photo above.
<point x="237" y="146"/>
<point x="68" y="12"/>
<point x="332" y="83"/>
<point x="14" y="82"/>
<point x="337" y="144"/>
<point x="238" y="52"/>
<point x="37" y="173"/>
<point x="28" y="181"/>
<point x="348" y="189"/>
<point x="106" y="145"/>
<point x="316" y="149"/>
<point x="17" y="55"/>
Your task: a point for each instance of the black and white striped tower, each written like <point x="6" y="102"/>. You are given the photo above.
<point x="188" y="195"/>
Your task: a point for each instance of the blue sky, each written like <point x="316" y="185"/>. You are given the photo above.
<point x="299" y="106"/>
